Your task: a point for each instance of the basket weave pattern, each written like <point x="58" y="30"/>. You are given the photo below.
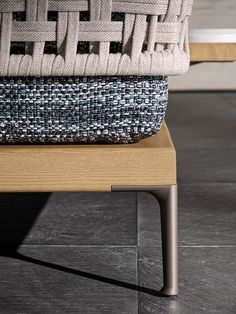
<point x="151" y="36"/>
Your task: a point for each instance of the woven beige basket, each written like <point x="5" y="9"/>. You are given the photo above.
<point x="151" y="37"/>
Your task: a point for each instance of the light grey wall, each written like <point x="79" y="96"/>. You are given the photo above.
<point x="210" y="14"/>
<point x="214" y="14"/>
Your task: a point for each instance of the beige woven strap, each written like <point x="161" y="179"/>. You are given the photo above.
<point x="153" y="33"/>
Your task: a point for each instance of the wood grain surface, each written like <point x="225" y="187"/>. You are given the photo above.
<point x="213" y="52"/>
<point x="87" y="167"/>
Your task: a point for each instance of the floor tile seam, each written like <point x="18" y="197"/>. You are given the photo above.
<point x="138" y="241"/>
<point x="190" y="246"/>
<point x="76" y="245"/>
<point x="209" y="246"/>
<point x="136" y="250"/>
<point x="137" y="278"/>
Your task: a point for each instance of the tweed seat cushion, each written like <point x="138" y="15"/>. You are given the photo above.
<point x="81" y="109"/>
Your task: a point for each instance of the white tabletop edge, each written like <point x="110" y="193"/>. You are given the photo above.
<point x="220" y="35"/>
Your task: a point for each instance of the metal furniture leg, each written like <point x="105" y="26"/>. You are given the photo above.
<point x="167" y="198"/>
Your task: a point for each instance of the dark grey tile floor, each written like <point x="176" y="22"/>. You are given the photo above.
<point x="88" y="252"/>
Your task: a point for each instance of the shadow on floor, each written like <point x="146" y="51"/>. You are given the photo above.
<point x="83" y="274"/>
<point x="18" y="213"/>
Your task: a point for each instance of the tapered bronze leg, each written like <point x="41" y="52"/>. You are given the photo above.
<point x="167" y="198"/>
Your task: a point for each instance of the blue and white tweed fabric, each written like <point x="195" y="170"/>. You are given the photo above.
<point x="81" y="109"/>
